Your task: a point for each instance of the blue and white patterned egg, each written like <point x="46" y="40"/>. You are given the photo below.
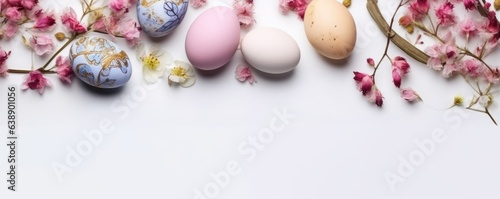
<point x="159" y="18"/>
<point x="100" y="62"/>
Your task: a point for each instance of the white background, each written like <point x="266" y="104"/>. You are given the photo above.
<point x="337" y="146"/>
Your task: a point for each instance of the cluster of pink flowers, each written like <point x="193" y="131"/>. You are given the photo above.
<point x="244" y="10"/>
<point x="27" y="13"/>
<point x="446" y="55"/>
<point x="107" y="18"/>
<point x="299" y="6"/>
<point x="366" y="83"/>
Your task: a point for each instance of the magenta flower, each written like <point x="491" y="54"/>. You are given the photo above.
<point x="70" y="21"/>
<point x="197" y="3"/>
<point x="410" y="95"/>
<point x="376" y="97"/>
<point x="13" y="14"/>
<point x="298" y="6"/>
<point x="14" y="2"/>
<point x="445" y="14"/>
<point x="64" y="70"/>
<point x="470" y="4"/>
<point x="419" y="8"/>
<point x="45" y="23"/>
<point x="492" y="25"/>
<point x="363" y="81"/>
<point x="29" y="4"/>
<point x="4" y="55"/>
<point x="243" y="73"/>
<point x="400" y="67"/>
<point x="370" y="62"/>
<point x="244" y="10"/>
<point x="42" y="44"/>
<point x="396" y="78"/>
<point x="36" y="80"/>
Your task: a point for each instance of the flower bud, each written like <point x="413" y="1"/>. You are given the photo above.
<point x="60" y="36"/>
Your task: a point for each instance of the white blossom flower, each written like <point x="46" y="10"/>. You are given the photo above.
<point x="181" y="73"/>
<point x="154" y="62"/>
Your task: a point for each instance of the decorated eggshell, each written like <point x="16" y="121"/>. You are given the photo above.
<point x="330" y="28"/>
<point x="213" y="38"/>
<point x="99" y="62"/>
<point x="160" y="17"/>
<point x="270" y="50"/>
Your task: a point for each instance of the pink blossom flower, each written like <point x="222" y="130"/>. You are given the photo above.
<point x="13" y="14"/>
<point x="44" y="21"/>
<point x="198" y="3"/>
<point x="64" y="69"/>
<point x="70" y="21"/>
<point x="243" y="73"/>
<point x="4" y="55"/>
<point x="298" y="6"/>
<point x="10" y="30"/>
<point x="492" y="25"/>
<point x="401" y="65"/>
<point x="14" y="2"/>
<point x="410" y="95"/>
<point x="445" y="14"/>
<point x="119" y="7"/>
<point x="42" y="44"/>
<point x="363" y="81"/>
<point x="131" y="32"/>
<point x="472" y="67"/>
<point x="36" y="80"/>
<point x="419" y="8"/>
<point x="244" y="10"/>
<point x="284" y="6"/>
<point x="468" y="28"/>
<point x="396" y="78"/>
<point x="443" y="56"/>
<point x="29" y="4"/>
<point x="492" y="77"/>
<point x="470" y="4"/>
<point x="370" y="61"/>
<point x="375" y="96"/>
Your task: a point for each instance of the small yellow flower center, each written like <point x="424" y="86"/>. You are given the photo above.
<point x="151" y="62"/>
<point x="180" y="72"/>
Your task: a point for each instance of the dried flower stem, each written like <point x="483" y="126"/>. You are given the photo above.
<point x="43" y="69"/>
<point x="389" y="35"/>
<point x="404" y="45"/>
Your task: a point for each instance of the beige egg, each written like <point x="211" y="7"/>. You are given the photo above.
<point x="330" y="28"/>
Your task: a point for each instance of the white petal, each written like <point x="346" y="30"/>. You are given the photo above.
<point x="140" y="51"/>
<point x="166" y="58"/>
<point x="189" y="82"/>
<point x="176" y="79"/>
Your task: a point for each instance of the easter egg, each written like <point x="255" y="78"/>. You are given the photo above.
<point x="99" y="62"/>
<point x="270" y="50"/>
<point x="330" y="28"/>
<point x="160" y="17"/>
<point x="213" y="38"/>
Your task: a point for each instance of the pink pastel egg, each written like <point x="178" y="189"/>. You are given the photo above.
<point x="213" y="38"/>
